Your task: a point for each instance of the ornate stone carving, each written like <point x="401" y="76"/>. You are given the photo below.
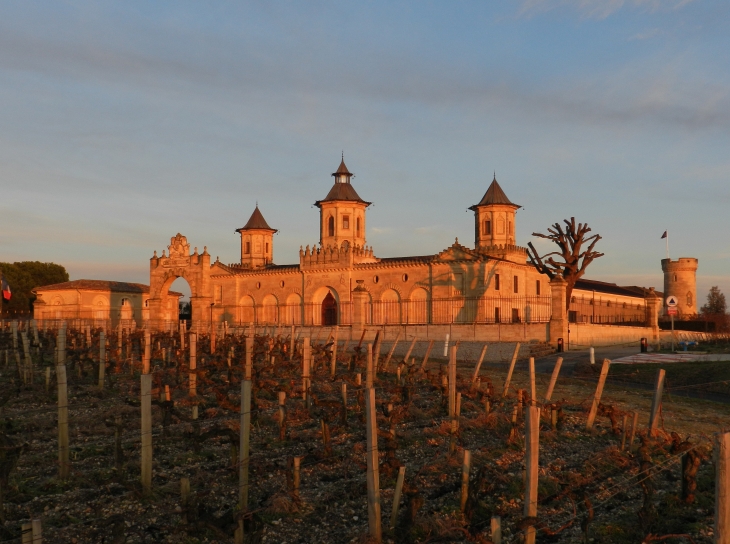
<point x="179" y="246"/>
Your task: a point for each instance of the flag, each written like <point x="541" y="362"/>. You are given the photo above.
<point x="664" y="235"/>
<point x="5" y="288"/>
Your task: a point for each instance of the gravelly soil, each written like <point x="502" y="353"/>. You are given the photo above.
<point x="586" y="483"/>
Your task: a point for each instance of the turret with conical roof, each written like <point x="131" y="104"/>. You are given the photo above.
<point x="257" y="241"/>
<point x="342" y="213"/>
<point x="494" y="218"/>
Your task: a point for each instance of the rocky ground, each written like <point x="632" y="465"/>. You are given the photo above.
<point x="588" y="487"/>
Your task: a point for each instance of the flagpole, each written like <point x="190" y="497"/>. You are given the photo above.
<point x="667" y="244"/>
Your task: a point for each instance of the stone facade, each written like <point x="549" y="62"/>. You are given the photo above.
<point x="680" y="280"/>
<point x="105" y="303"/>
<point x="342" y="281"/>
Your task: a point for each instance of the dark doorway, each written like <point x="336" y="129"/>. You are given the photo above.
<point x="329" y="310"/>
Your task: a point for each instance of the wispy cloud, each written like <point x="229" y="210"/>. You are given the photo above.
<point x="646" y="35"/>
<point x="599" y="9"/>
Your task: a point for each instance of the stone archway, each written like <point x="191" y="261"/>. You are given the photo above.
<point x="329" y="310"/>
<point x="180" y="263"/>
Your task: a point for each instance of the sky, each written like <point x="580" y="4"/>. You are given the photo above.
<point x="124" y="123"/>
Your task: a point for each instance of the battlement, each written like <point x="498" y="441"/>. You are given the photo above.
<point x="508" y="252"/>
<point x="333" y="257"/>
<point x="688" y="264"/>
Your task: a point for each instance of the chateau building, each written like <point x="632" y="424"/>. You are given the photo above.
<point x="342" y="281"/>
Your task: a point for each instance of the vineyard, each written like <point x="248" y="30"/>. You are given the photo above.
<point x="337" y="441"/>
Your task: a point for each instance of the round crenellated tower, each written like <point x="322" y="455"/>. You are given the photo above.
<point x="680" y="280"/>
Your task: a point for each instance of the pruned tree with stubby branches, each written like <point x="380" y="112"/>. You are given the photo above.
<point x="571" y="260"/>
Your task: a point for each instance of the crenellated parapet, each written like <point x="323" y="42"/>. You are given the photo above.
<point x="508" y="252"/>
<point x="333" y="257"/>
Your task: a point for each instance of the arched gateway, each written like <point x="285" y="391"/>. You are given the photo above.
<point x="164" y="270"/>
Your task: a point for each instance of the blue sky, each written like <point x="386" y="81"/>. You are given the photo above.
<point x="123" y="123"/>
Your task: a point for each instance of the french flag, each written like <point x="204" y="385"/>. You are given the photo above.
<point x="6" y="289"/>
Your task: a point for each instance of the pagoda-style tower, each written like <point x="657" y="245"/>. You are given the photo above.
<point x="257" y="241"/>
<point x="342" y="213"/>
<point x="494" y="219"/>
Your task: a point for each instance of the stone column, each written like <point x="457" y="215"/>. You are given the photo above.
<point x="559" y="317"/>
<point x="359" y="308"/>
<point x="653" y="306"/>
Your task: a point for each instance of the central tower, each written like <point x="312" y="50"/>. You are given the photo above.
<point x="342" y="213"/>
<point x="494" y="219"/>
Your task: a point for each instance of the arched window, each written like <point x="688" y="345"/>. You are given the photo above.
<point x="675" y="277"/>
<point x="487" y="227"/>
<point x="689" y="299"/>
<point x="247" y="248"/>
<point x="357" y="227"/>
<point x="346" y="222"/>
<point x="267" y="248"/>
<point x="331" y="226"/>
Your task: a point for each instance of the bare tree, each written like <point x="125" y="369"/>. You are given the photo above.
<point x="571" y="260"/>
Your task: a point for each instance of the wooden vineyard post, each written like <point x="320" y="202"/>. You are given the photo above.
<point x="533" y="392"/>
<point x="479" y="365"/>
<point x="722" y="496"/>
<point x="102" y="359"/>
<point x="243" y="450"/>
<point x="634" y="424"/>
<point x="452" y="382"/>
<point x="390" y="352"/>
<point x="344" y="404"/>
<point x="373" y="478"/>
<point x="597" y="395"/>
<point x="465" y="471"/>
<point x="333" y="362"/>
<point x="212" y="337"/>
<point x="185" y="495"/>
<point x="425" y="357"/>
<point x="182" y="335"/>
<point x="63" y="465"/>
<point x="61" y="345"/>
<point x="146" y="406"/>
<point x="656" y="403"/>
<point x="193" y="377"/>
<point x="48" y="378"/>
<point x="496" y="529"/>
<point x="553" y="379"/>
<point x="147" y="352"/>
<point x="624" y="431"/>
<point x="36" y="531"/>
<point x="282" y="415"/>
<point x="306" y="359"/>
<point x="508" y="379"/>
<point x="532" y="450"/>
<point x="292" y="340"/>
<point x="297" y="475"/>
<point x="369" y="368"/>
<point x="410" y="349"/>
<point x="396" y="496"/>
<point x="26" y="533"/>
<point x="248" y="361"/>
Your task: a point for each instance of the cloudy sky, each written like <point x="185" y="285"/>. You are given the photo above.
<point x="123" y="123"/>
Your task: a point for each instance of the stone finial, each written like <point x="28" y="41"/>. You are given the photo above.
<point x="195" y="251"/>
<point x="155" y="254"/>
<point x="205" y="250"/>
<point x="163" y="254"/>
<point x="456" y="241"/>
